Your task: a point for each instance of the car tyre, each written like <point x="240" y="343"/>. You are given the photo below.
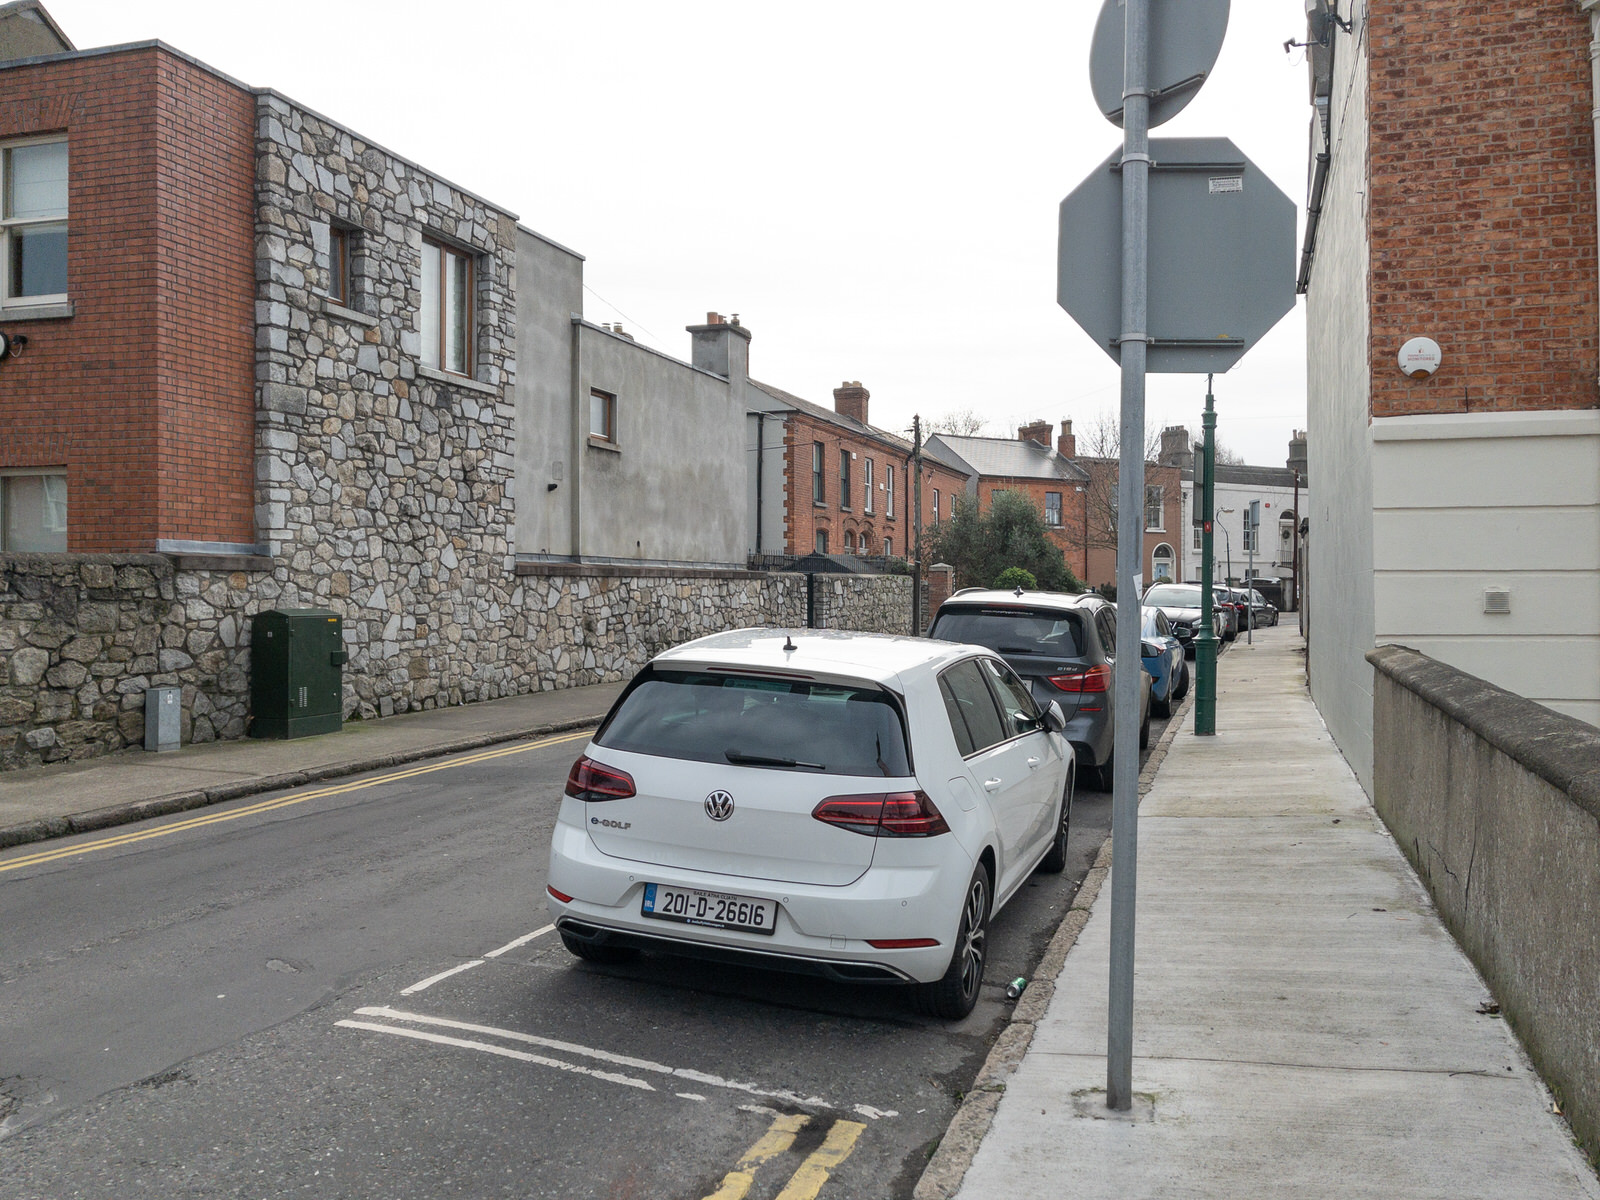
<point x="1105" y="775"/>
<point x="1161" y="708"/>
<point x="598" y="953"/>
<point x="1183" y="683"/>
<point x="1144" y="732"/>
<point x="956" y="994"/>
<point x="1055" y="858"/>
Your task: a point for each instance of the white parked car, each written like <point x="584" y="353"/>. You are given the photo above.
<point x="851" y="805"/>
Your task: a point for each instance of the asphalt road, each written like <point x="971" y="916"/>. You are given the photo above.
<point x="352" y="991"/>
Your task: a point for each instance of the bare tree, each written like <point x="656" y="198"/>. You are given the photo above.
<point x="1101" y="437"/>
<point x="965" y="423"/>
<point x="1226" y="456"/>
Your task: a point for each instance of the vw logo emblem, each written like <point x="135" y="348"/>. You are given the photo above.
<point x="719" y="806"/>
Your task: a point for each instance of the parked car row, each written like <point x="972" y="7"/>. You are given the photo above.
<point x="851" y="805"/>
<point x="1232" y="610"/>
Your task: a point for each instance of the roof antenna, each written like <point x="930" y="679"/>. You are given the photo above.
<point x="788" y="645"/>
<point x="1018" y="592"/>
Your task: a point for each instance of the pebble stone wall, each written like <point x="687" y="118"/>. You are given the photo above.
<point x="82" y="637"/>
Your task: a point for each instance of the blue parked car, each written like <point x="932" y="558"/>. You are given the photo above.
<point x="1164" y="661"/>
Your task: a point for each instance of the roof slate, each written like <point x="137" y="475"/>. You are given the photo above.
<point x="1011" y="458"/>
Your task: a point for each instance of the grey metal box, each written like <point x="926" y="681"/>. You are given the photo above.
<point x="163" y="718"/>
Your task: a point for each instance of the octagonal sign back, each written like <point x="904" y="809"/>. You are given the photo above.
<point x="1222" y="255"/>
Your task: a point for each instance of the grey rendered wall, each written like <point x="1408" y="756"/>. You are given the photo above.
<point x="549" y="291"/>
<point x="1339" y="588"/>
<point x="673" y="487"/>
<point x="1496" y="801"/>
<point x="767" y="486"/>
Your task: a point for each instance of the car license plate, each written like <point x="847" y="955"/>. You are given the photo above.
<point x="714" y="910"/>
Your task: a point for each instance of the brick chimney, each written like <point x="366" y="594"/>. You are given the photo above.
<point x="1067" y="444"/>
<point x="1038" y="431"/>
<point x="721" y="346"/>
<point x="850" y="400"/>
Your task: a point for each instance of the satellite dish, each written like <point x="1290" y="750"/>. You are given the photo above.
<point x="1185" y="39"/>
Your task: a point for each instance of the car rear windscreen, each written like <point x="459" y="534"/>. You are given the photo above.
<point x="1013" y="630"/>
<point x="1173" y="595"/>
<point x="832" y="729"/>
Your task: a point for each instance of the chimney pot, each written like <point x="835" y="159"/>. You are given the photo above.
<point x="850" y="400"/>
<point x="1067" y="444"/>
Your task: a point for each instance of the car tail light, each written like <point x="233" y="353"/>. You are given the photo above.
<point x="589" y="780"/>
<point x="1095" y="679"/>
<point x="901" y="943"/>
<point x="891" y="814"/>
<point x="561" y="896"/>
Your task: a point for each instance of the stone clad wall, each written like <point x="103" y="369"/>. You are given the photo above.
<point x="383" y="488"/>
<point x="83" y="636"/>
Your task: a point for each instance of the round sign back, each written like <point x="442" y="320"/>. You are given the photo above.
<point x="1185" y="39"/>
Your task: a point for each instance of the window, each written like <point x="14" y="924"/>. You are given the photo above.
<point x="822" y="541"/>
<point x="1052" y="508"/>
<point x="339" y="266"/>
<point x="602" y="416"/>
<point x="1199" y="537"/>
<point x="1249" y="543"/>
<point x="1017" y="707"/>
<point x="832" y="728"/>
<point x="819" y="490"/>
<point x="447" y="329"/>
<point x="970" y="707"/>
<point x="1153" y="508"/>
<point x="33" y="222"/>
<point x="33" y="512"/>
<point x="935" y="506"/>
<point x="888" y="488"/>
<point x="888" y="547"/>
<point x="844" y="479"/>
<point x="866" y="484"/>
<point x="861" y="544"/>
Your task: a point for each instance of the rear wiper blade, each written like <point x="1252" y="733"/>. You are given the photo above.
<point x="741" y="759"/>
<point x="1023" y="650"/>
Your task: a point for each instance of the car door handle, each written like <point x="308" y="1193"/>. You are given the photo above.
<point x="1033" y="763"/>
<point x="992" y="785"/>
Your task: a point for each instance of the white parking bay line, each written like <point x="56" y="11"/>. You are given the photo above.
<point x="521" y="941"/>
<point x="503" y="1051"/>
<point x="620" y="1060"/>
<point x="433" y="979"/>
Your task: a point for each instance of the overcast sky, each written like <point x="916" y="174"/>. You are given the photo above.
<point x="871" y="185"/>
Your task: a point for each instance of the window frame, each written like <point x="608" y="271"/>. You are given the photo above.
<point x="935" y="506"/>
<point x="888" y="488"/>
<point x="8" y="224"/>
<point x="446" y="251"/>
<point x="608" y="409"/>
<point x="866" y="485"/>
<point x="339" y="256"/>
<point x="1156" y="493"/>
<point x="844" y="479"/>
<point x="1055" y="524"/>
<point x="819" y="479"/>
<point x="822" y="541"/>
<point x="46" y="473"/>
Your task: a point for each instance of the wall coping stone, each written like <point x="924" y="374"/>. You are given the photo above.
<point x="223" y="562"/>
<point x="627" y="570"/>
<point x="1561" y="750"/>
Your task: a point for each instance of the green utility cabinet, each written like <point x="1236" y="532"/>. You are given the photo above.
<point x="297" y="659"/>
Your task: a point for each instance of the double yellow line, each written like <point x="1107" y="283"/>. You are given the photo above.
<point x="250" y="810"/>
<point x="807" y="1181"/>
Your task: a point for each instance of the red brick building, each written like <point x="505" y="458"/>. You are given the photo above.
<point x="129" y="394"/>
<point x="1030" y="466"/>
<point x="850" y="487"/>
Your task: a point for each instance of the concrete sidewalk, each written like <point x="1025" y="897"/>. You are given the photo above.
<point x="70" y="798"/>
<point x="1304" y="1026"/>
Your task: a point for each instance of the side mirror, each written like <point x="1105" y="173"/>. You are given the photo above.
<point x="1150" y="650"/>
<point x="1054" y="719"/>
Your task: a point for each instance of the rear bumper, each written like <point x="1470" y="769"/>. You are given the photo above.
<point x="820" y="930"/>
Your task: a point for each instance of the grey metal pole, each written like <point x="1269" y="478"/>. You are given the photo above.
<point x="1134" y="344"/>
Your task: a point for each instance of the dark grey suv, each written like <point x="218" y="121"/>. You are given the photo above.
<point x="1065" y="648"/>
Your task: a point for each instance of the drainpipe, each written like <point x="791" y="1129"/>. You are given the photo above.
<point x="575" y="480"/>
<point x="1592" y="7"/>
<point x="761" y="457"/>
